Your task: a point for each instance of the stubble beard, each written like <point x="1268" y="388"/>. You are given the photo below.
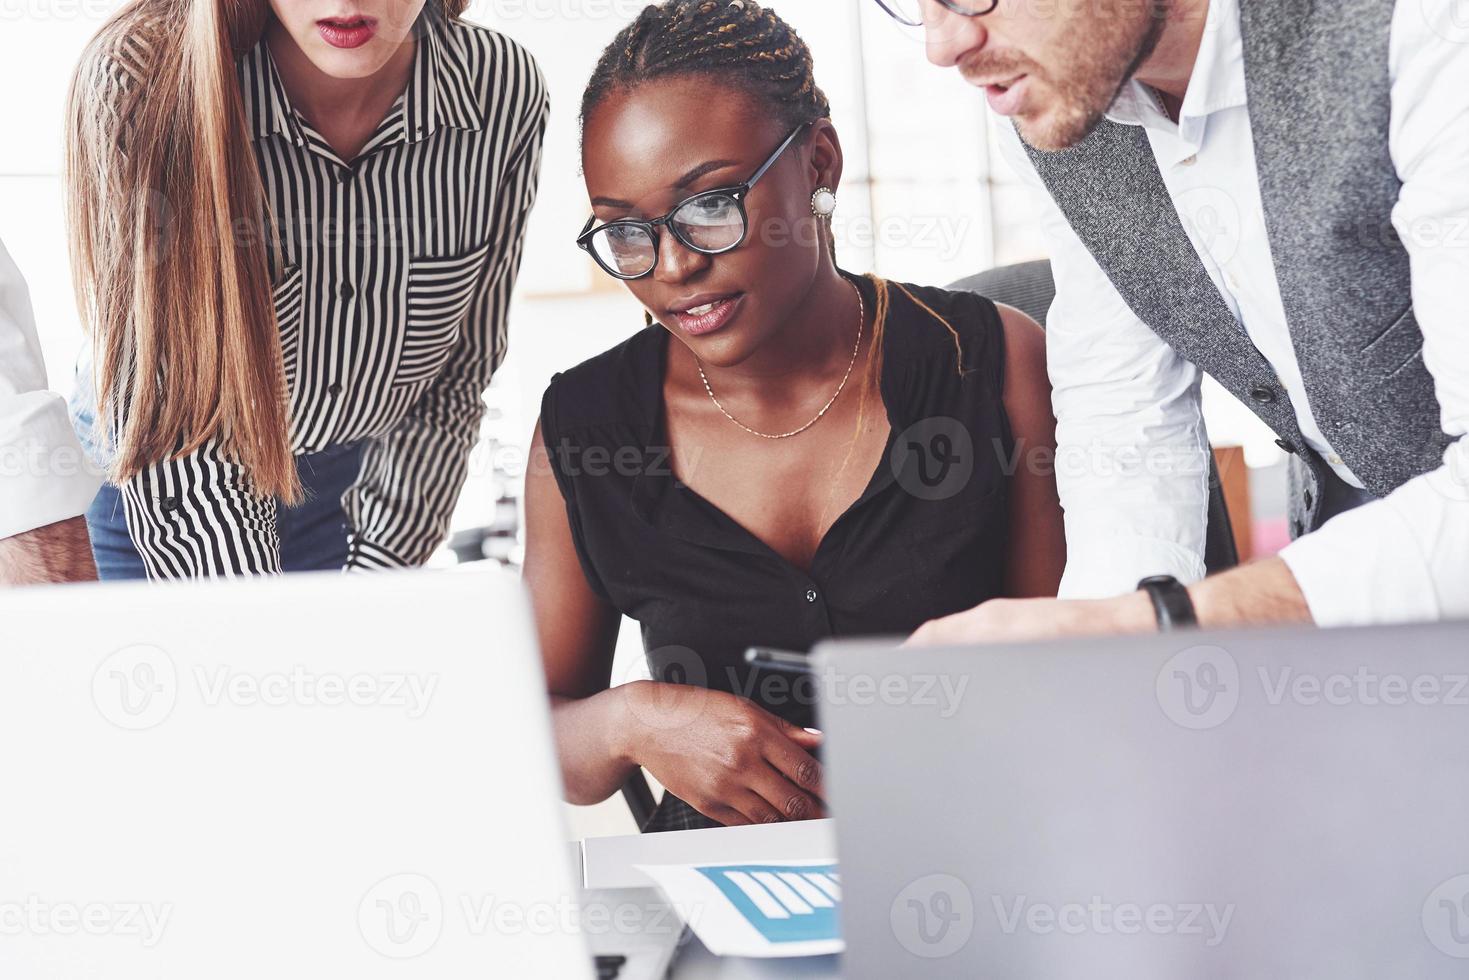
<point x="1083" y="94"/>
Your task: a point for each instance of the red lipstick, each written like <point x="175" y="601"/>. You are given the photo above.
<point x="347" y="32"/>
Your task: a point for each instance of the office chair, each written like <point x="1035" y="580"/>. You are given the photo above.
<point x="1030" y="288"/>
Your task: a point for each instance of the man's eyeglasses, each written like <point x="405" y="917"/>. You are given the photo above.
<point x="910" y="12"/>
<point x="711" y="222"/>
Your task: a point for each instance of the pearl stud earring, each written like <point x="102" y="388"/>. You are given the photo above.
<point x="823" y="202"/>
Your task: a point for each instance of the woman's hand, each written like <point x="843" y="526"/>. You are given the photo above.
<point x="725" y="756"/>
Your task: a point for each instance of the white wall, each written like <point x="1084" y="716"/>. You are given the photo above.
<point x="923" y="199"/>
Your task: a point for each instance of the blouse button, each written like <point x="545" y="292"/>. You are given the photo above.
<point x="810" y="595"/>
<point x="170" y="504"/>
<point x="346" y="291"/>
<point x="334" y="389"/>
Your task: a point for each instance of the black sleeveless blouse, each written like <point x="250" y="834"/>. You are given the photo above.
<point x="927" y="537"/>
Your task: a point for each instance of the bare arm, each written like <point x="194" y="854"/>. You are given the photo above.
<point x="60" y="552"/>
<point x="578" y="634"/>
<point x="1037" y="532"/>
<point x="724" y="755"/>
<point x="1261" y="593"/>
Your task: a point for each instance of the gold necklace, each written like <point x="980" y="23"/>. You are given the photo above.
<point x="861" y="318"/>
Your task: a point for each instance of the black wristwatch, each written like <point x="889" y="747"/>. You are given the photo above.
<point x="1171" y="604"/>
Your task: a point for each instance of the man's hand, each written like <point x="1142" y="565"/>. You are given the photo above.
<point x="1018" y="620"/>
<point x="60" y="552"/>
<point x="1262" y="593"/>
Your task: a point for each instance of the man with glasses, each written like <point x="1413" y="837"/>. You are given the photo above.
<point x="1275" y="194"/>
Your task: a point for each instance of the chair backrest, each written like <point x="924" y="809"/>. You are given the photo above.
<point x="1030" y="288"/>
<point x="1027" y="286"/>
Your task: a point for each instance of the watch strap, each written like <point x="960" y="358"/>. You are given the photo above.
<point x="1171" y="603"/>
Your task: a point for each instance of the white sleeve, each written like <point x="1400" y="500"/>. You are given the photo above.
<point x="1132" y="456"/>
<point x="1406" y="557"/>
<point x="44" y="476"/>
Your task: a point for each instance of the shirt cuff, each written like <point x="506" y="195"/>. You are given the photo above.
<point x="1112" y="565"/>
<point x="1364" y="567"/>
<point x="45" y="477"/>
<point x="365" y="556"/>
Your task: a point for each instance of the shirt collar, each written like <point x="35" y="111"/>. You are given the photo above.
<point x="440" y="91"/>
<point x="1217" y="82"/>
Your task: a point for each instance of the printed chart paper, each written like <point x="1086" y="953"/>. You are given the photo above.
<point x="785" y="908"/>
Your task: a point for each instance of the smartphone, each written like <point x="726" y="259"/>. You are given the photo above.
<point x="779" y="661"/>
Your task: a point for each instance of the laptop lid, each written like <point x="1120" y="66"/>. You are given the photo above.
<point x="1286" y="803"/>
<point x="321" y="775"/>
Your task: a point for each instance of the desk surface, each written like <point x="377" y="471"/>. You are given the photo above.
<point x="694" y="962"/>
<point x="609" y="863"/>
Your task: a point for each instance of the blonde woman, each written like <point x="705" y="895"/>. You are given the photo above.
<point x="295" y="225"/>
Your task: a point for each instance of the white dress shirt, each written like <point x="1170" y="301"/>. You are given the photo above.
<point x="44" y="476"/>
<point x="1132" y="448"/>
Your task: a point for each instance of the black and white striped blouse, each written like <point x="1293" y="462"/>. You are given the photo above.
<point x="391" y="290"/>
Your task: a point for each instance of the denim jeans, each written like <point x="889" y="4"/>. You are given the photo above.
<point x="313" y="535"/>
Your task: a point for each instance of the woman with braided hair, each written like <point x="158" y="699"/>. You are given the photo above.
<point x="787" y="452"/>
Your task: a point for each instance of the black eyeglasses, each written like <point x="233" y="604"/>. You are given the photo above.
<point x="711" y="222"/>
<point x="910" y="12"/>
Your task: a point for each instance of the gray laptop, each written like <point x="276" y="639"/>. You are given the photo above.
<point x="1289" y="804"/>
<point x="309" y="776"/>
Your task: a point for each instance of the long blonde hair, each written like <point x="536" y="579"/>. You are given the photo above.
<point x="169" y="230"/>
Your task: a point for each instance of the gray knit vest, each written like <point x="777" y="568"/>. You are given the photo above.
<point x="1316" y="78"/>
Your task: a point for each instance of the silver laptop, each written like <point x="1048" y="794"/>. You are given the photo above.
<point x="1256" y="804"/>
<point x="310" y="776"/>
